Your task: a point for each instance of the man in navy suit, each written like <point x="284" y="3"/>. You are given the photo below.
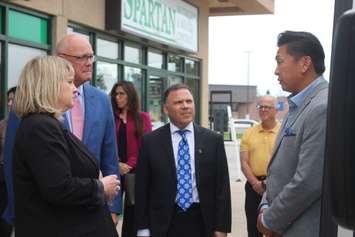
<point x="98" y="128"/>
<point x="182" y="181"/>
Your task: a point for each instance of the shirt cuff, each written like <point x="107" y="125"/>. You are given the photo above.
<point x="263" y="206"/>
<point x="100" y="194"/>
<point x="143" y="232"/>
<point x="263" y="222"/>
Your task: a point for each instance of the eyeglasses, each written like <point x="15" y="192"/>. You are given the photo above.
<point x="264" y="107"/>
<point x="83" y="58"/>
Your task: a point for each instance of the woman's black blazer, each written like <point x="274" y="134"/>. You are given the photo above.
<point x="55" y="183"/>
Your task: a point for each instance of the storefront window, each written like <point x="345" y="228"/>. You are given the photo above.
<point x="175" y="63"/>
<point x="107" y="49"/>
<point x="194" y="85"/>
<point x="1" y="20"/>
<point x="18" y="56"/>
<point x="106" y="76"/>
<point x="151" y="70"/>
<point x="24" y="35"/>
<point x="132" y="53"/>
<point x="191" y="67"/>
<point x="135" y="76"/>
<point x="155" y="58"/>
<point x="71" y="30"/>
<point x="173" y="80"/>
<point x="154" y="99"/>
<point x="2" y="95"/>
<point x="28" y="27"/>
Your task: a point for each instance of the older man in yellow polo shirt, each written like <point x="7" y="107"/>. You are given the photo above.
<point x="255" y="153"/>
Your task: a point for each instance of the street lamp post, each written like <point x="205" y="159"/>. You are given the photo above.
<point x="248" y="52"/>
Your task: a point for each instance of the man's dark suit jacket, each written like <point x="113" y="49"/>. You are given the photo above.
<point x="156" y="181"/>
<point x="55" y="183"/>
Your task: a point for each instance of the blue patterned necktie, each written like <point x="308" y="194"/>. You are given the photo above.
<point x="184" y="180"/>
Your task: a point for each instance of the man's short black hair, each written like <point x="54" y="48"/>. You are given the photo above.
<point x="301" y="44"/>
<point x="175" y="88"/>
<point x="11" y="90"/>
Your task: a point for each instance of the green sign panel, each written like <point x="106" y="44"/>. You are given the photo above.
<point x="28" y="27"/>
<point x="167" y="21"/>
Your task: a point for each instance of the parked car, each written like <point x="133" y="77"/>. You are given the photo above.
<point x="240" y="125"/>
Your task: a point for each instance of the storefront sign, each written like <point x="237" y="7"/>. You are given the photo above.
<point x="172" y="22"/>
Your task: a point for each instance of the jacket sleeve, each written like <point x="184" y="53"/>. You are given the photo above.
<point x="12" y="125"/>
<point x="47" y="157"/>
<point x="306" y="185"/>
<point x="223" y="196"/>
<point x="109" y="158"/>
<point x="142" y="187"/>
<point x="147" y="122"/>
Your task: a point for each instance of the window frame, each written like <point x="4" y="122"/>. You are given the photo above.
<point x="146" y="70"/>
<point x="5" y="40"/>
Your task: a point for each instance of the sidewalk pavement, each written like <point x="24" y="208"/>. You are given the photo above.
<point x="238" y="215"/>
<point x="239" y="222"/>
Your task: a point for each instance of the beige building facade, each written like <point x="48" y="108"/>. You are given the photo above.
<point x="151" y="64"/>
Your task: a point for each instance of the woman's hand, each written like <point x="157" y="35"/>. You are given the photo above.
<point x="111" y="186"/>
<point x="124" y="168"/>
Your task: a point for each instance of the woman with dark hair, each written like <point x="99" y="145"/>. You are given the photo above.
<point x="131" y="124"/>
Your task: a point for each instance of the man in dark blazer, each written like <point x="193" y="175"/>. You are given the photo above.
<point x="159" y="212"/>
<point x="98" y="129"/>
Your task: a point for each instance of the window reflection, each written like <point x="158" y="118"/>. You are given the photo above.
<point x="18" y="57"/>
<point x="173" y="80"/>
<point x="135" y="76"/>
<point x="194" y="85"/>
<point x="106" y="76"/>
<point x="154" y="96"/>
<point x="155" y="58"/>
<point x="107" y="48"/>
<point x="132" y="53"/>
<point x="191" y="67"/>
<point x="175" y="63"/>
<point x="71" y="30"/>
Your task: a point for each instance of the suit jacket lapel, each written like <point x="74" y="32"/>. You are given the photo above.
<point x="89" y="101"/>
<point x="168" y="149"/>
<point x="80" y="146"/>
<point x="66" y="122"/>
<point x="198" y="151"/>
<point x="304" y="105"/>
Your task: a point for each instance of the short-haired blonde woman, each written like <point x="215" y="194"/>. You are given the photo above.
<point x="56" y="179"/>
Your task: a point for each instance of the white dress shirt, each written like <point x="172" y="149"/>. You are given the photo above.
<point x="190" y="136"/>
<point x="176" y="138"/>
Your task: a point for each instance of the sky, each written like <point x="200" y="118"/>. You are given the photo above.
<point x="234" y="39"/>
